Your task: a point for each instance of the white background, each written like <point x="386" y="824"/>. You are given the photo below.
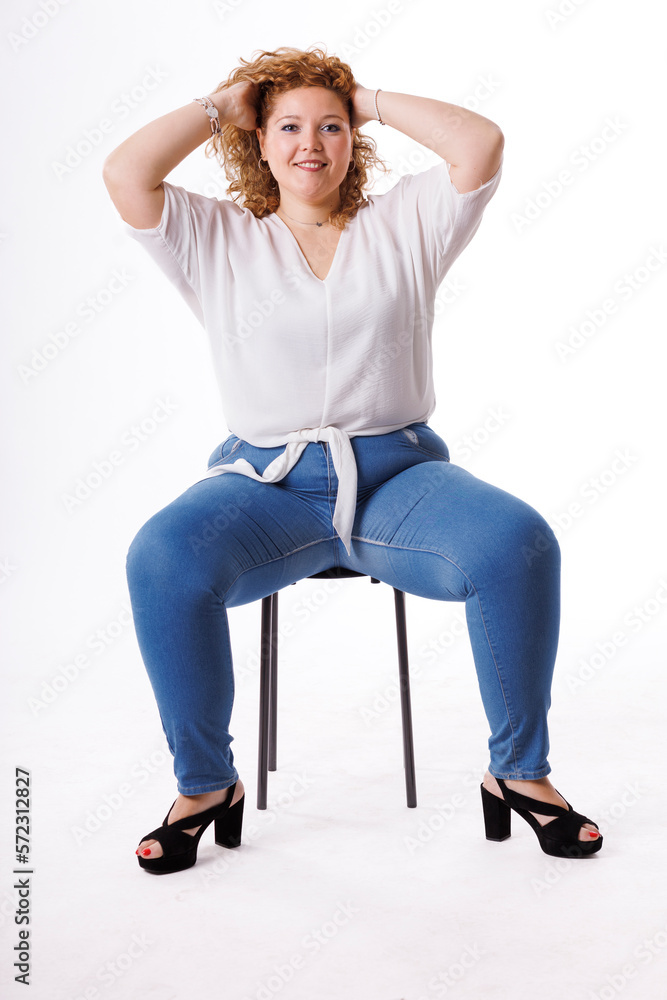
<point x="580" y="438"/>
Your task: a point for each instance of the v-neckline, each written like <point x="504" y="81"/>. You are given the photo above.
<point x="303" y="256"/>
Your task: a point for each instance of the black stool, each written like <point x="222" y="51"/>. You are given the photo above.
<point x="268" y="688"/>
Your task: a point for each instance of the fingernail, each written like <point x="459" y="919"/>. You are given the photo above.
<point x="146" y="851"/>
<point x="594" y="833"/>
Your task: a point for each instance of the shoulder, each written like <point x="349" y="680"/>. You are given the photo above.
<point x="180" y="199"/>
<point x="438" y="180"/>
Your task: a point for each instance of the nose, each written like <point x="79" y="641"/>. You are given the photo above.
<point x="310" y="139"/>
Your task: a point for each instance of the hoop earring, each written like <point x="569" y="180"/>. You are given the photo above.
<point x="351" y="166"/>
<point x="261" y="161"/>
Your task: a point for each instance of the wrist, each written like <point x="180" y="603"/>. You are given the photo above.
<point x="224" y="103"/>
<point x="364" y="105"/>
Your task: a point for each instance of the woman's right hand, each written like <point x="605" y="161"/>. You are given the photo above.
<point x="241" y="104"/>
<point x="134" y="171"/>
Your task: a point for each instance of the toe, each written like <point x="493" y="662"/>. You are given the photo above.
<point x="153" y="848"/>
<point x="589" y="832"/>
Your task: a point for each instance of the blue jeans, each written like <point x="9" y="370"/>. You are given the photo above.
<point x="422" y="524"/>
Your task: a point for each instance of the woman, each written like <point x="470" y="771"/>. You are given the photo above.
<point x="319" y="305"/>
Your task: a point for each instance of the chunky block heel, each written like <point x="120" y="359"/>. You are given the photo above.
<point x="180" y="848"/>
<point x="497" y="816"/>
<point x="228" y="827"/>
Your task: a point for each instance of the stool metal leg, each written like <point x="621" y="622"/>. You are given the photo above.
<point x="406" y="709"/>
<point x="265" y="663"/>
<point x="273" y="689"/>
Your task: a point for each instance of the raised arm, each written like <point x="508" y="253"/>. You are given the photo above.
<point x="134" y="171"/>
<point x="472" y="144"/>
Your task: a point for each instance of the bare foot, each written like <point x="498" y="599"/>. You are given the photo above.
<point x="544" y="791"/>
<point x="188" y="805"/>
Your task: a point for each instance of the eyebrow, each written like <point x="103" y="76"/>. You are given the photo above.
<point x="298" y="117"/>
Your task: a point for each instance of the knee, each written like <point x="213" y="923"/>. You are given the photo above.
<point x="157" y="554"/>
<point x="535" y="540"/>
<point x="146" y="552"/>
<point x="183" y="553"/>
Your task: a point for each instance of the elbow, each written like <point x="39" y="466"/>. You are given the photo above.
<point x="492" y="154"/>
<point x="108" y="172"/>
<point x="496" y="141"/>
<point x="111" y="166"/>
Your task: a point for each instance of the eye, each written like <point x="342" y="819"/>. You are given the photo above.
<point x="336" y="128"/>
<point x="286" y="127"/>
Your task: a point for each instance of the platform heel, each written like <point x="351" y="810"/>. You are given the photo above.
<point x="558" y="838"/>
<point x="180" y="848"/>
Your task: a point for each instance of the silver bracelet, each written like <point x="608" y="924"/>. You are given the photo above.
<point x="376" y="107"/>
<point x="212" y="112"/>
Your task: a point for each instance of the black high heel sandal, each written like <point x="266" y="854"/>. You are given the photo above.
<point x="180" y="849"/>
<point x="559" y="838"/>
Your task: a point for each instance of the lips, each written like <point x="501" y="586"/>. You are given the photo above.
<point x="312" y="165"/>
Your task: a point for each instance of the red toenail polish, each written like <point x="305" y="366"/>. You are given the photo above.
<point x="146" y="851"/>
<point x="594" y="833"/>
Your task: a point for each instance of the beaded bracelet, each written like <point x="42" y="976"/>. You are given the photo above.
<point x="212" y="112"/>
<point x="377" y="112"/>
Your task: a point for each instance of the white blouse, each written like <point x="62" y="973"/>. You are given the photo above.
<point x="299" y="358"/>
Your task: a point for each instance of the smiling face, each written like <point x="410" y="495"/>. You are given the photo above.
<point x="308" y="145"/>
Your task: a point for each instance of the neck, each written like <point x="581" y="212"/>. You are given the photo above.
<point x="306" y="212"/>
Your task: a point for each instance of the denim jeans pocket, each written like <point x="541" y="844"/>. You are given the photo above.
<point x="224" y="450"/>
<point x="424" y="439"/>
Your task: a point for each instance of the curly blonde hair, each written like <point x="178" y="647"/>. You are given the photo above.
<point x="238" y="151"/>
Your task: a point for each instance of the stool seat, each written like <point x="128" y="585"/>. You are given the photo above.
<point x="268" y="687"/>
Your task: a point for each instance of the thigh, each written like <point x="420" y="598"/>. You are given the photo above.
<point x="234" y="537"/>
<point x="438" y="531"/>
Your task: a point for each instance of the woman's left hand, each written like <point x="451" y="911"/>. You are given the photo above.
<point x="363" y="106"/>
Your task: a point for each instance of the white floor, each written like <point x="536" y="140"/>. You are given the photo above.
<point x="339" y="890"/>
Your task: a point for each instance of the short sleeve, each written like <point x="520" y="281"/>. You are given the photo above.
<point x="190" y="228"/>
<point x="437" y="217"/>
